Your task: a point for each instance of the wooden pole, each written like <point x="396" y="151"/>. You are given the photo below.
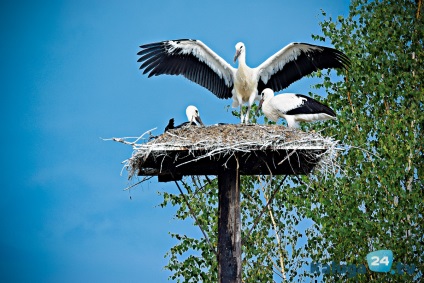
<point x="229" y="225"/>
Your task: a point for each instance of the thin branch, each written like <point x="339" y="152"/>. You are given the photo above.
<point x="263" y="210"/>
<point x="139" y="182"/>
<point x="283" y="272"/>
<point x="276" y="267"/>
<point x="196" y="219"/>
<point x="124" y="140"/>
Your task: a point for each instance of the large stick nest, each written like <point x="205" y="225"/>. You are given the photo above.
<point x="228" y="139"/>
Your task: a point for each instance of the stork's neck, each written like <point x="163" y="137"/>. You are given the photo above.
<point x="267" y="100"/>
<point x="243" y="71"/>
<point x="242" y="60"/>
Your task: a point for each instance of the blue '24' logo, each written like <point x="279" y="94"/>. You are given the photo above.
<point x="380" y="261"/>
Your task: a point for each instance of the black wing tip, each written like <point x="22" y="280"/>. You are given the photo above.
<point x="341" y="57"/>
<point x="150" y="45"/>
<point x="156" y="60"/>
<point x="329" y="111"/>
<point x="158" y="43"/>
<point x="318" y="106"/>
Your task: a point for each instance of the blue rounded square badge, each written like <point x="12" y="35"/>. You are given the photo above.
<point x="380" y="261"/>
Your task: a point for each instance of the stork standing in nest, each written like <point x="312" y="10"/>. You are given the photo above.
<point x="198" y="63"/>
<point x="294" y="108"/>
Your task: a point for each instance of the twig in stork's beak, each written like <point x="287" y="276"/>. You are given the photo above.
<point x="259" y="107"/>
<point x="237" y="55"/>
<point x="197" y="118"/>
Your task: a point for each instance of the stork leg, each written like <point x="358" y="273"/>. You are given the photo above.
<point x="246" y="118"/>
<point x="241" y="114"/>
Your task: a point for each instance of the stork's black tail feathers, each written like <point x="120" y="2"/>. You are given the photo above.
<point x="170" y="125"/>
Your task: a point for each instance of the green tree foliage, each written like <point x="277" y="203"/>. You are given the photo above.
<point x="268" y="234"/>
<point x="376" y="200"/>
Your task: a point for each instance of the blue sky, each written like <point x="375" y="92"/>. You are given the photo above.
<point x="69" y="75"/>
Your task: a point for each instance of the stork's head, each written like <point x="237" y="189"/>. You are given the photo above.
<point x="193" y="115"/>
<point x="266" y="94"/>
<point x="240" y="49"/>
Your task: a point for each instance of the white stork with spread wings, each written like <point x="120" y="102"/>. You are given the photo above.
<point x="198" y="63"/>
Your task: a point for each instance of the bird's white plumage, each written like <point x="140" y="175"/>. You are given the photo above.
<point x="201" y="51"/>
<point x="277" y="61"/>
<point x="193" y="115"/>
<point x="275" y="107"/>
<point x="245" y="83"/>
